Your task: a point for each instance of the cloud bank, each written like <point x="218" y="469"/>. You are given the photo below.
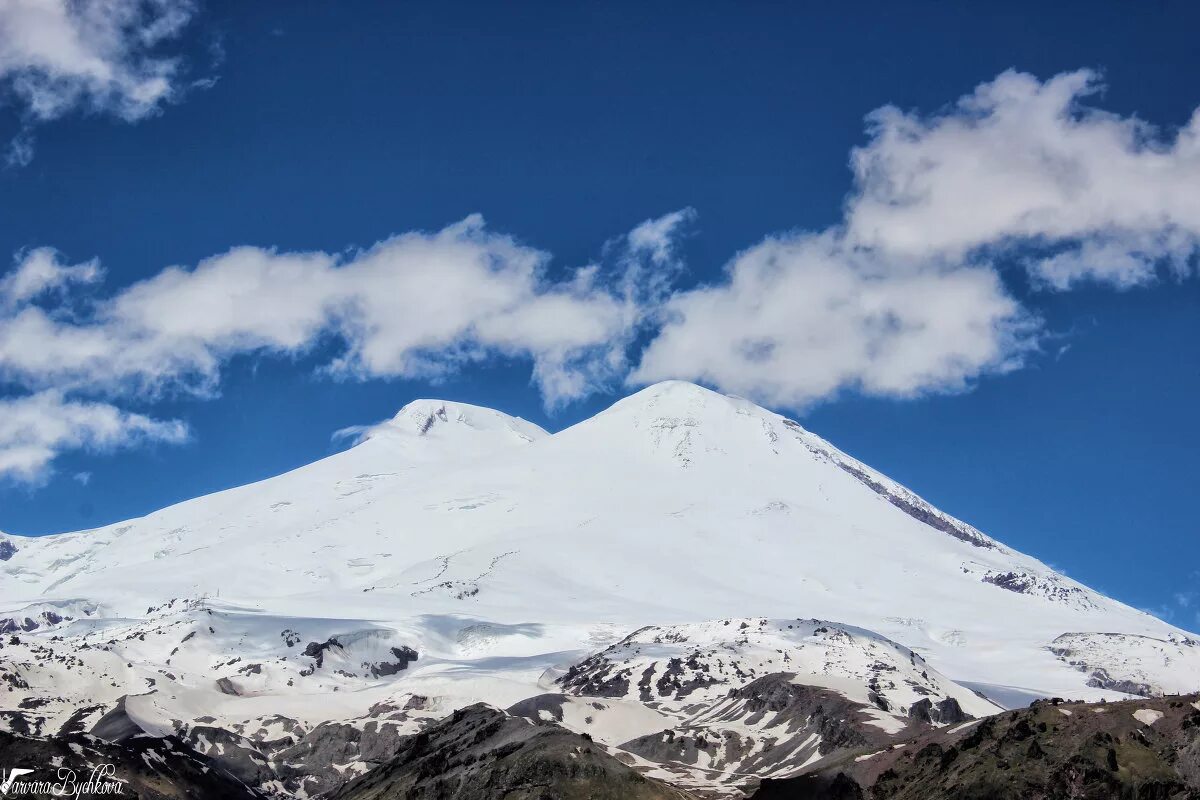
<point x="93" y="56"/>
<point x="906" y="296"/>
<point x="418" y="305"/>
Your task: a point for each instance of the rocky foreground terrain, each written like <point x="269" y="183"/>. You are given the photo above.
<point x="480" y="753"/>
<point x="147" y="768"/>
<point x="1053" y="750"/>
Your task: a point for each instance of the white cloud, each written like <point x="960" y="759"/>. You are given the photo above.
<point x="20" y="150"/>
<point x="35" y="428"/>
<point x="803" y="317"/>
<point x="40" y="271"/>
<point x="1122" y="260"/>
<point x="906" y="297"/>
<point x="82" y="478"/>
<point x="95" y="56"/>
<point x="1020" y="162"/>
<point x="415" y="305"/>
<point x="903" y="298"/>
<point x="658" y="237"/>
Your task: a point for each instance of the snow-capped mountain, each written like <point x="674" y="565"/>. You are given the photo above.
<point x="456" y="554"/>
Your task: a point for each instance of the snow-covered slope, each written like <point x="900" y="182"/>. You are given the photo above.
<point x="502" y="554"/>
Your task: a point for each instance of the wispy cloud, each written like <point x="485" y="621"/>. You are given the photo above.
<point x="34" y="429"/>
<point x="93" y="56"/>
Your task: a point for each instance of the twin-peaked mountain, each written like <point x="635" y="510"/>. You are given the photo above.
<point x="457" y="554"/>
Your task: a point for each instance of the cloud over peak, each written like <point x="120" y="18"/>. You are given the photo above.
<point x="907" y="295"/>
<point x="803" y="317"/>
<point x="416" y="305"/>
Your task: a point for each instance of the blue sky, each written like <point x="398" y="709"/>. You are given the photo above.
<point x="1017" y="338"/>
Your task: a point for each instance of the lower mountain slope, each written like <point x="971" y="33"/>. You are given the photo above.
<point x="653" y="576"/>
<point x="754" y="697"/>
<point x="480" y="753"/>
<point x="143" y="767"/>
<point x="1053" y="750"/>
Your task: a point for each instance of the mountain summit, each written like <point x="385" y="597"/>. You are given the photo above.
<point x="461" y="430"/>
<point x="433" y="417"/>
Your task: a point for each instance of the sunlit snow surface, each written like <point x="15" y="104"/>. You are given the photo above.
<point x="503" y="556"/>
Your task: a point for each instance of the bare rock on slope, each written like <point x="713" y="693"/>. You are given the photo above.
<point x="480" y="753"/>
<point x="148" y="768"/>
<point x="1131" y="750"/>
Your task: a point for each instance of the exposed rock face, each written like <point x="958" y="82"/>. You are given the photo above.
<point x="1100" y="679"/>
<point x="814" y="786"/>
<point x="918" y="509"/>
<point x="480" y="753"/>
<point x="1046" y="585"/>
<point x="116" y="726"/>
<point x="317" y="763"/>
<point x="680" y="665"/>
<point x="1117" y="661"/>
<point x="16" y="624"/>
<point x="946" y="711"/>
<point x="826" y="713"/>
<point x="316" y="651"/>
<point x="155" y="769"/>
<point x="276" y="755"/>
<point x="540" y="707"/>
<point x="769" y="726"/>
<point x="227" y="686"/>
<point x="13" y="626"/>
<point x="298" y="762"/>
<point x="404" y="656"/>
<point x="1132" y="750"/>
<point x="7" y="550"/>
<point x="742" y="698"/>
<point x="234" y="753"/>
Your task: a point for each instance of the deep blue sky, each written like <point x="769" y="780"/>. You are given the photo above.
<point x="337" y="124"/>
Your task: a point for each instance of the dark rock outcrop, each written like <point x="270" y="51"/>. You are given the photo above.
<point x="116" y="725"/>
<point x="234" y="753"/>
<point x="316" y="651"/>
<point x="404" y="656"/>
<point x="316" y="763"/>
<point x="147" y="767"/>
<point x="946" y="711"/>
<point x="480" y="753"/>
<point x="1050" y="751"/>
